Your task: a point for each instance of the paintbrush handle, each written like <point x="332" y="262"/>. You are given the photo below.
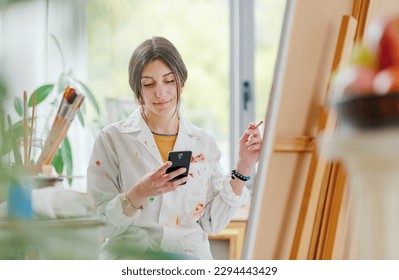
<point x="31" y="126"/>
<point x="56" y="144"/>
<point x="25" y="122"/>
<point x="51" y="141"/>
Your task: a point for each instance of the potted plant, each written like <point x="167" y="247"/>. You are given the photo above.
<point x="49" y="95"/>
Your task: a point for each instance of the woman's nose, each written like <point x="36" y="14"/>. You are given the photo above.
<point x="160" y="90"/>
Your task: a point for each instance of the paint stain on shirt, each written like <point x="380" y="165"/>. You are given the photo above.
<point x="199" y="209"/>
<point x="197" y="158"/>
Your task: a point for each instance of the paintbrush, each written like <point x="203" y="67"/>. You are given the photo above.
<point x="64" y="105"/>
<point x="77" y="101"/>
<point x="256" y="126"/>
<point x="31" y="127"/>
<point x="25" y="122"/>
<point x="55" y="136"/>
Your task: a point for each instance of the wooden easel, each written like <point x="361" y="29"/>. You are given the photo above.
<point x="305" y="206"/>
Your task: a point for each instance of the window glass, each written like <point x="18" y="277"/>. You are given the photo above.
<point x="269" y="16"/>
<point x="200" y="31"/>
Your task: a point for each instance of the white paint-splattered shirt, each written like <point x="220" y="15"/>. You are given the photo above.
<point x="177" y="221"/>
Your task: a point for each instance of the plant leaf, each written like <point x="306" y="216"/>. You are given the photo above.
<point x="68" y="160"/>
<point x="3" y="92"/>
<point x="12" y="138"/>
<point x="41" y="94"/>
<point x="18" y="106"/>
<point x="7" y="145"/>
<point x="16" y="130"/>
<point x="58" y="162"/>
<point x="90" y="95"/>
<point x="58" y="45"/>
<point x="2" y="123"/>
<point x="81" y="118"/>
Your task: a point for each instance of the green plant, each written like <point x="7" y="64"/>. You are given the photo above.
<point x="50" y="95"/>
<point x="3" y="142"/>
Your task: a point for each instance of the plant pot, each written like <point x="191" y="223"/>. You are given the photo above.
<point x="369" y="111"/>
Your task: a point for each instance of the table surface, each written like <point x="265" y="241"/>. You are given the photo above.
<point x="80" y="222"/>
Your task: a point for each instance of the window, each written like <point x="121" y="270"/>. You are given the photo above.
<point x="268" y="22"/>
<point x="199" y="30"/>
<point x="204" y="33"/>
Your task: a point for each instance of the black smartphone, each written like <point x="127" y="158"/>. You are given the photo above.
<point x="179" y="159"/>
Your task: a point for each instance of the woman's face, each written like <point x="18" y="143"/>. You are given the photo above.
<point x="159" y="91"/>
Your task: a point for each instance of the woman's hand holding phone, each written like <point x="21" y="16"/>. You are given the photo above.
<point x="156" y="183"/>
<point x="179" y="160"/>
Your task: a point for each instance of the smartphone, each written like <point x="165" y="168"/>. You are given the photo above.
<point x="179" y="159"/>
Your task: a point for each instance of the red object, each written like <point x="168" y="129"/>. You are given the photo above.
<point x="389" y="45"/>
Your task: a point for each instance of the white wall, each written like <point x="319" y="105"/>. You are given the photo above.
<point x="29" y="57"/>
<point x="23" y="44"/>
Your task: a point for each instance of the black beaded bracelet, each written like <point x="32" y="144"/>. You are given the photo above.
<point x="235" y="174"/>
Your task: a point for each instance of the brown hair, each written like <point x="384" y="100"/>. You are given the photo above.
<point x="156" y="48"/>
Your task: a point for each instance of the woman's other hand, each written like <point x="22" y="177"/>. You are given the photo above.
<point x="250" y="147"/>
<point x="248" y="155"/>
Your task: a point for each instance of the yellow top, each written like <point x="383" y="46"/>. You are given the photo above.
<point x="165" y="145"/>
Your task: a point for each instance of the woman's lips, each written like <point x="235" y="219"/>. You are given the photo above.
<point x="162" y="104"/>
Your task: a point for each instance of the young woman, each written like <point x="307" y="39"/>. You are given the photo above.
<point x="145" y="211"/>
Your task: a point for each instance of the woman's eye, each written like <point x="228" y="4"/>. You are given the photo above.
<point x="171" y="81"/>
<point x="147" y="85"/>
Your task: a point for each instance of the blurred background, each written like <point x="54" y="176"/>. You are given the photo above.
<point x="229" y="48"/>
